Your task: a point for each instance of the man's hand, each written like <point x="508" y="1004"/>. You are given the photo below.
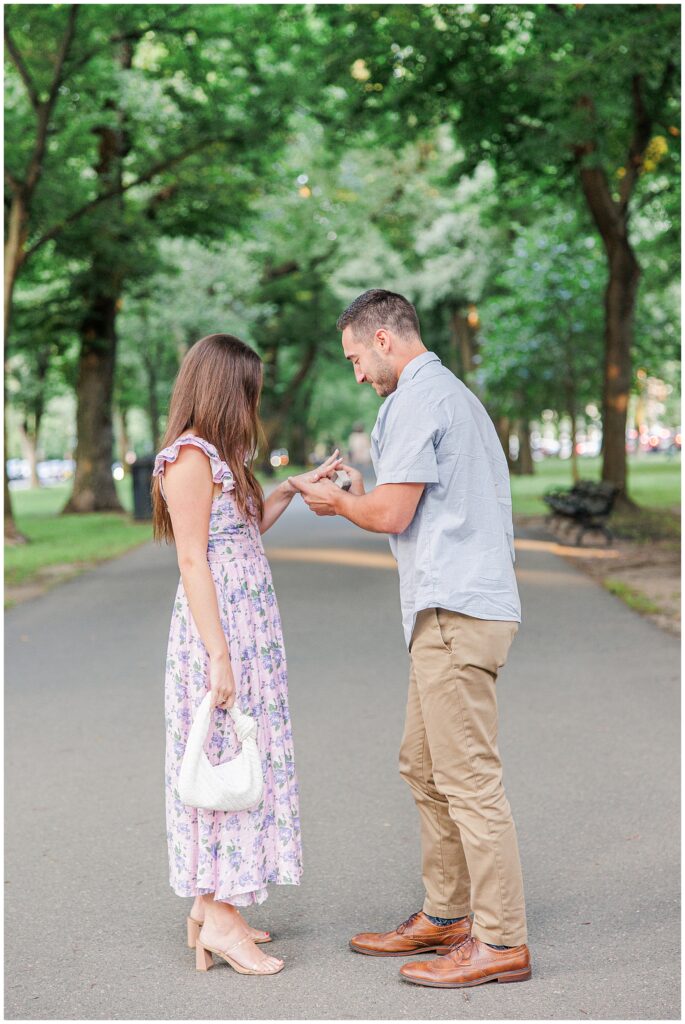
<point x="356" y="478"/>
<point x="321" y="497"/>
<point x="331" y="465"/>
<point x="388" y="508"/>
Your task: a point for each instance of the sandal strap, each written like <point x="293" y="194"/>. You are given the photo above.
<point x="227" y="952"/>
<point x="254" y="967"/>
<point x="239" y="943"/>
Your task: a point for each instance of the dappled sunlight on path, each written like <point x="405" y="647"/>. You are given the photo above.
<point x="333" y="556"/>
<point x="564" y="549"/>
<point x="378" y="560"/>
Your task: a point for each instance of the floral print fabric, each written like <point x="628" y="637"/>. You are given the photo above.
<point x="231" y="854"/>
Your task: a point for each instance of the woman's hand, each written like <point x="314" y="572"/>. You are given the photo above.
<point x="279" y="499"/>
<point x="221" y="681"/>
<point x="332" y="464"/>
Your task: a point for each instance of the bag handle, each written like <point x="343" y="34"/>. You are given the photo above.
<point x="245" y="725"/>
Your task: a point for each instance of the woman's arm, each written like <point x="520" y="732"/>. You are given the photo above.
<point x="276" y="504"/>
<point x="279" y="499"/>
<point x="189" y="488"/>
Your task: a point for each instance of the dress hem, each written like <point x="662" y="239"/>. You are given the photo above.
<point x="255" y="893"/>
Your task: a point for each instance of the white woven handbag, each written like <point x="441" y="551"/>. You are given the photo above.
<point x="236" y="785"/>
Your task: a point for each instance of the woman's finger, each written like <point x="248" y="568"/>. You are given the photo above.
<point x="323" y="473"/>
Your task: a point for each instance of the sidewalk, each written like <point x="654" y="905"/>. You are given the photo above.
<point x="589" y="735"/>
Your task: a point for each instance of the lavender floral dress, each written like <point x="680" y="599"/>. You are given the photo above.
<point x="231" y="854"/>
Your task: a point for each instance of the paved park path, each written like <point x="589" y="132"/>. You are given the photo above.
<point x="589" y="734"/>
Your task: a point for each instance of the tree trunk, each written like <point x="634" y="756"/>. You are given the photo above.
<point x="29" y="440"/>
<point x="13" y="534"/>
<point x="611" y="218"/>
<point x="14" y="252"/>
<point x="94" y="489"/>
<point x="503" y="428"/>
<point x="526" y="466"/>
<point x="14" y="257"/>
<point x="620" y="297"/>
<point x="463" y="346"/>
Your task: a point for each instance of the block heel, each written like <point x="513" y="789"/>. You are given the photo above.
<point x="203" y="957"/>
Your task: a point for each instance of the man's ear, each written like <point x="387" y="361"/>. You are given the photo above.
<point x="382" y="340"/>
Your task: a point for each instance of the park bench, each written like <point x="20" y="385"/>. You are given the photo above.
<point x="587" y="504"/>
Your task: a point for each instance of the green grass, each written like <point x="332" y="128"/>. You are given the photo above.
<point x="633" y="598"/>
<point x="653" y="482"/>
<point x="63" y="540"/>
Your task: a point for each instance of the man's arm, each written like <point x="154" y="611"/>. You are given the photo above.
<point x="388" y="508"/>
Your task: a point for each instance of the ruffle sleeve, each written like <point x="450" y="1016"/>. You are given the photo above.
<point x="221" y="474"/>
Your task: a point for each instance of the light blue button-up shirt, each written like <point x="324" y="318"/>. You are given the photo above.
<point x="458" y="551"/>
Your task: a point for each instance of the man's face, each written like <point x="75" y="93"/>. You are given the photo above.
<point x="370" y="367"/>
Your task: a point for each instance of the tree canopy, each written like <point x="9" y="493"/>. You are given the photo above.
<point x="178" y="169"/>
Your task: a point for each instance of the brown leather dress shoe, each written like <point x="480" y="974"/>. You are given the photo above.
<point x="471" y="963"/>
<point x="415" y="935"/>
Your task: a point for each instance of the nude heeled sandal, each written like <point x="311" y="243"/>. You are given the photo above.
<point x="194" y="926"/>
<point x="203" y="958"/>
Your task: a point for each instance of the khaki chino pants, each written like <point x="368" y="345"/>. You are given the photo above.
<point x="449" y="758"/>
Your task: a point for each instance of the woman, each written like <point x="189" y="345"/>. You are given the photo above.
<point x="225" y="634"/>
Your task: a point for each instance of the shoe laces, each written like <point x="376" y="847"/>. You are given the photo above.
<point x="401" y="928"/>
<point x="461" y="949"/>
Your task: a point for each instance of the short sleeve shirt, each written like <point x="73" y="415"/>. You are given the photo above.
<point x="458" y="551"/>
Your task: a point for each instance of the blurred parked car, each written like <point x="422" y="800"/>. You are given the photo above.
<point x="18" y="469"/>
<point x="50" y="471"/>
<point x="55" y="471"/>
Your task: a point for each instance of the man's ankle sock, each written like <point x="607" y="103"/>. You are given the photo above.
<point x="444" y="920"/>
<point x="493" y="946"/>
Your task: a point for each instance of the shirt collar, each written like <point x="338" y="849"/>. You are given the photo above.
<point x="414" y="365"/>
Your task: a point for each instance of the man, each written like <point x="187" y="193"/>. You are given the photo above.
<point x="442" y="493"/>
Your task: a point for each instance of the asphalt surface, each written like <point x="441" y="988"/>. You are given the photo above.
<point x="589" y="735"/>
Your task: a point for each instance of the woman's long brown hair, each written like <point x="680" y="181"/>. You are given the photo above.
<point x="216" y="394"/>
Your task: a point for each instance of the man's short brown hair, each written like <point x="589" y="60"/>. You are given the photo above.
<point x="379" y="308"/>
